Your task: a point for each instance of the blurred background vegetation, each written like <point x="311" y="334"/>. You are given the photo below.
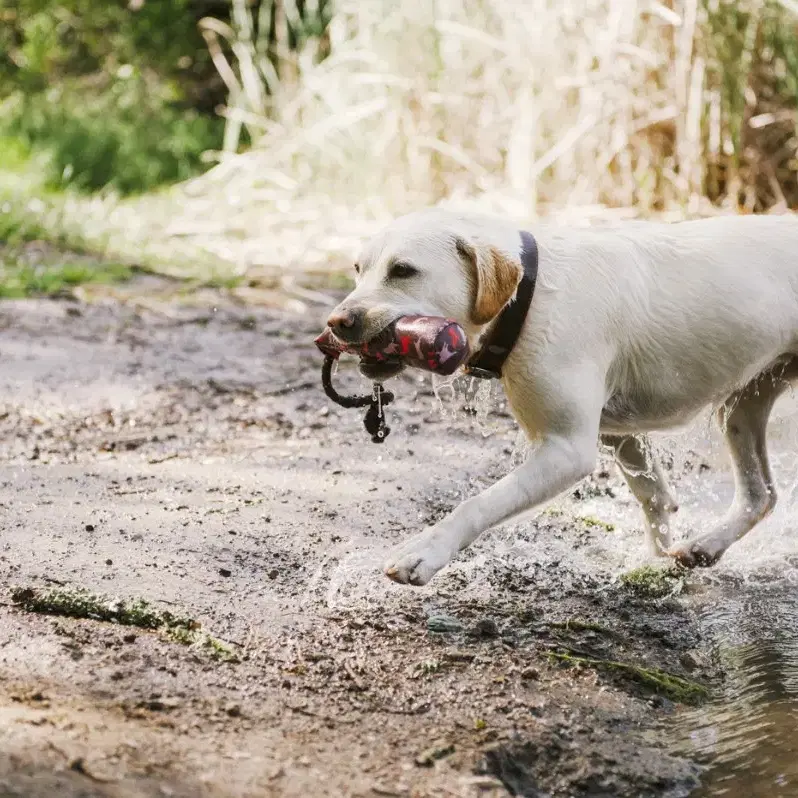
<point x="259" y="140"/>
<point x="115" y="95"/>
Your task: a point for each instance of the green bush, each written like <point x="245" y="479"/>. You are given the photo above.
<point x="114" y="94"/>
<point x="127" y="137"/>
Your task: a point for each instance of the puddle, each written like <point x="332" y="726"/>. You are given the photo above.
<point x="747" y="736"/>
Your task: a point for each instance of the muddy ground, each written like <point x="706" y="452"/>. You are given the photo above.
<point x="183" y="452"/>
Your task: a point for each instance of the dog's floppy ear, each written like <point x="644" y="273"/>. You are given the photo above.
<point x="494" y="277"/>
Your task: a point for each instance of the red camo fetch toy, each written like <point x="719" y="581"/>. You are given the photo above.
<point x="430" y="343"/>
<point x="425" y="342"/>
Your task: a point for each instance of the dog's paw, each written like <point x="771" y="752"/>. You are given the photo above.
<point x="696" y="553"/>
<point x="416" y="562"/>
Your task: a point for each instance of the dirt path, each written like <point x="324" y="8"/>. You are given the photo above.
<point x="159" y="454"/>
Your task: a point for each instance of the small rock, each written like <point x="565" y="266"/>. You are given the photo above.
<point x="458" y="656"/>
<point x="225" y="572"/>
<point x="36" y="697"/>
<point x="273" y="574"/>
<point x="484" y="627"/>
<point x="692" y="660"/>
<point x="233" y="710"/>
<point x="160" y="704"/>
<point x="660" y="702"/>
<point x="109" y="562"/>
<point x="89" y="527"/>
<point x="129" y="638"/>
<point x="530" y="674"/>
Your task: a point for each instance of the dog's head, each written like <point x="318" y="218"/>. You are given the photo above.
<point x="432" y="263"/>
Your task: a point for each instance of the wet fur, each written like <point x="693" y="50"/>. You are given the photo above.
<point x="631" y="329"/>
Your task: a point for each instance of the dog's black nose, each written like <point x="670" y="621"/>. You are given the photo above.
<point x="346" y="324"/>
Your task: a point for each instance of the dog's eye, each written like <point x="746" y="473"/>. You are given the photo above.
<point x="401" y="271"/>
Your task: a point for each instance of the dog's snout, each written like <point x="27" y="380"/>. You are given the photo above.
<point x="347" y="324"/>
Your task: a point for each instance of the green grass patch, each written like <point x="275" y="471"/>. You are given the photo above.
<point x="118" y="231"/>
<point x="18" y="225"/>
<point x="19" y="280"/>
<point x="78" y="603"/>
<point x="673" y="687"/>
<point x="650" y="581"/>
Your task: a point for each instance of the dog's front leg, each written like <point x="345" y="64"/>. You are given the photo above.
<point x="557" y="463"/>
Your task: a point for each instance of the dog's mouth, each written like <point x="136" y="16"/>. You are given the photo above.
<point x="376" y="339"/>
<point x="380" y="370"/>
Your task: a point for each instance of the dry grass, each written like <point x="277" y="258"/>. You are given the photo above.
<point x="583" y="109"/>
<point x="522" y="108"/>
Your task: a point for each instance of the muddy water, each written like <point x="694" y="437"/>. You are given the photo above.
<point x="747" y="736"/>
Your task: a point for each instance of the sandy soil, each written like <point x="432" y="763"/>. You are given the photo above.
<point x="185" y="454"/>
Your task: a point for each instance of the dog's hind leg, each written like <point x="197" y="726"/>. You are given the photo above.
<point x="647" y="483"/>
<point x="743" y="418"/>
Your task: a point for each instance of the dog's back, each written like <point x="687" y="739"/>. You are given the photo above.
<point x="686" y="312"/>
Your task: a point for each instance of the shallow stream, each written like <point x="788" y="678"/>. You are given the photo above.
<point x="747" y="735"/>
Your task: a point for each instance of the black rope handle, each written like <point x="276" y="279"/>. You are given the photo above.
<point x="376" y="401"/>
<point x="344" y="401"/>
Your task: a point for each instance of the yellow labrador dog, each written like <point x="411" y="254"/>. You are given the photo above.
<point x="630" y="329"/>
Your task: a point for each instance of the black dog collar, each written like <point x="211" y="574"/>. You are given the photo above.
<point x="486" y="363"/>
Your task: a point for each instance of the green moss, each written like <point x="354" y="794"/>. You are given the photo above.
<point x="196" y="637"/>
<point x="592" y="521"/>
<point x="661" y="682"/>
<point x="587" y="520"/>
<point x="82" y="604"/>
<point x="222" y="281"/>
<point x="652" y="581"/>
<point x="78" y="603"/>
